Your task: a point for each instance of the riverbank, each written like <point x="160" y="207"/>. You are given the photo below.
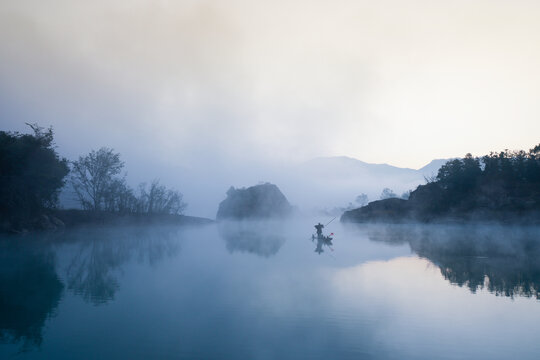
<point x="396" y="210"/>
<point x="59" y="219"/>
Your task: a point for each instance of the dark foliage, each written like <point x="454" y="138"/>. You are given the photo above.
<point x="499" y="186"/>
<point x="508" y="181"/>
<point x="31" y="176"/>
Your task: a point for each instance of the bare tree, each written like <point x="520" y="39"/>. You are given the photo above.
<point x="160" y="200"/>
<point x="93" y="176"/>
<point x="120" y="197"/>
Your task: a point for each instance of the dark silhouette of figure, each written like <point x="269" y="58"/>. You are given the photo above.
<point x="319" y="228"/>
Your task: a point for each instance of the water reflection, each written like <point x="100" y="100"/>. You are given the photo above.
<point x="503" y="260"/>
<point x="321" y="242"/>
<point x="32" y="281"/>
<point x="260" y="238"/>
<point x="93" y="269"/>
<point x="30" y="292"/>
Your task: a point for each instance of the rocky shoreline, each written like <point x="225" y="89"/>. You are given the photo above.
<point x="398" y="211"/>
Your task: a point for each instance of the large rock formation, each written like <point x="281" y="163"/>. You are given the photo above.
<point x="388" y="210"/>
<point x="256" y="202"/>
<point x="432" y="203"/>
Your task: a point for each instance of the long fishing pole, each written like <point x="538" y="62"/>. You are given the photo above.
<point x="331" y="220"/>
<point x="332" y="256"/>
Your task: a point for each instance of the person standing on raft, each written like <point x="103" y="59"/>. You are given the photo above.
<point x="319" y="228"/>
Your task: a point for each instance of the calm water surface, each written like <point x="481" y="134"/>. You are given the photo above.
<point x="261" y="291"/>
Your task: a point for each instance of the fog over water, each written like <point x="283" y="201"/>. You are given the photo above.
<point x="259" y="290"/>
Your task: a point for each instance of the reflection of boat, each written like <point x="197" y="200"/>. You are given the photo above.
<point x="322" y="241"/>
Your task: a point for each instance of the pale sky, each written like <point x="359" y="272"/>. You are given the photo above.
<point x="184" y="82"/>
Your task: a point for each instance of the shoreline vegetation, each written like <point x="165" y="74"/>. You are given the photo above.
<point x="500" y="187"/>
<point x="32" y="174"/>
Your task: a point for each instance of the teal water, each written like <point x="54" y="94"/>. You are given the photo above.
<point x="261" y="291"/>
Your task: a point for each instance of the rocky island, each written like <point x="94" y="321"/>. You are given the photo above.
<point x="255" y="202"/>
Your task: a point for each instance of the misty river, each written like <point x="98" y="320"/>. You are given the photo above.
<point x="262" y="291"/>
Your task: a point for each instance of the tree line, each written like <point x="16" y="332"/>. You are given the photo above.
<point x="32" y="175"/>
<point x="502" y="181"/>
<point x="99" y="186"/>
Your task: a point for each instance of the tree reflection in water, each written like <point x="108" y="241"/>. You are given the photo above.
<point x="263" y="238"/>
<point x="30" y="288"/>
<point x="29" y="292"/>
<point x="93" y="271"/>
<point x="501" y="259"/>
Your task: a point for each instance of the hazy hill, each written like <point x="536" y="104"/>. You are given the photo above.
<point x="327" y="182"/>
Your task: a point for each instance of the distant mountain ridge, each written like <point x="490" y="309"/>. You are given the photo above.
<point x="501" y="187"/>
<point x="336" y="181"/>
<point x="433" y="167"/>
<point x="347" y="167"/>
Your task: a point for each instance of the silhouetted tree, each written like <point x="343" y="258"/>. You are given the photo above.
<point x="120" y="198"/>
<point x="160" y="200"/>
<point x="99" y="187"/>
<point x="31" y="174"/>
<point x="508" y="180"/>
<point x="94" y="176"/>
<point x="492" y="187"/>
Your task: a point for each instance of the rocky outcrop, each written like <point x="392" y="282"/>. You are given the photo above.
<point x="387" y="210"/>
<point x="256" y="202"/>
<point x="426" y="205"/>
